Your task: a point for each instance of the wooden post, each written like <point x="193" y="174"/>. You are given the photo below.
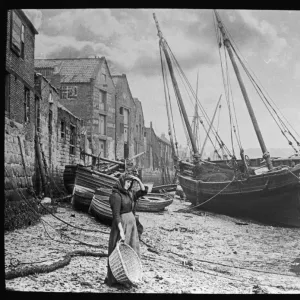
<point x="39" y="158"/>
<point x="23" y="161"/>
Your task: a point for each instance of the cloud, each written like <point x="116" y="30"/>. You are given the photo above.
<point x="297" y="73"/>
<point x="268" y="37"/>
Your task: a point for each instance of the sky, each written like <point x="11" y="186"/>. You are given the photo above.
<point x="268" y="40"/>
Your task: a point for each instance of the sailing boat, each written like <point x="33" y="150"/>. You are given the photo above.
<point x="235" y="189"/>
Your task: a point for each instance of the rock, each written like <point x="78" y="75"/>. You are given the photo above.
<point x="46" y="200"/>
<point x="256" y="289"/>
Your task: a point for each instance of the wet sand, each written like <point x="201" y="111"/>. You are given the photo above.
<point x="191" y="252"/>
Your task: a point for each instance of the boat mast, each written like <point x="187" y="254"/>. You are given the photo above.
<point x="266" y="154"/>
<point x="188" y="126"/>
<point x="196" y="117"/>
<point x="210" y="126"/>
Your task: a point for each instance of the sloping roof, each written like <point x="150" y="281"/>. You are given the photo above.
<point x="116" y="78"/>
<point x="29" y="23"/>
<point x="72" y="70"/>
<point x="163" y="138"/>
<point x="59" y="105"/>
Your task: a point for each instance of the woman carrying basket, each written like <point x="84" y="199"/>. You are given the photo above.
<point x="122" y="201"/>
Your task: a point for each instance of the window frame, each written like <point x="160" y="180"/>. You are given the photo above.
<point x="102" y="100"/>
<point x="16" y="30"/>
<point x="22" y="41"/>
<point x="72" y="142"/>
<point x="104" y="125"/>
<point x="63" y="129"/>
<point x="26" y="105"/>
<point x="66" y="91"/>
<point x="50" y="121"/>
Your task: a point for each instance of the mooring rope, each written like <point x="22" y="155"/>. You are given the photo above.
<point x="191" y="208"/>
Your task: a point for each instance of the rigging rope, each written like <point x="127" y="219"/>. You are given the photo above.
<point x="191" y="208"/>
<point x="265" y="102"/>
<point x="166" y="98"/>
<point x="193" y="93"/>
<point x="280" y="120"/>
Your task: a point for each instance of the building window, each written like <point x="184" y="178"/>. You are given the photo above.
<point x="68" y="92"/>
<point x="46" y="72"/>
<point x="102" y="124"/>
<point x="72" y="139"/>
<point x="50" y="121"/>
<point x="7" y="92"/>
<point x="37" y="113"/>
<point x="102" y="100"/>
<point x="121" y="110"/>
<point x="103" y="77"/>
<point x="17" y="33"/>
<point x="50" y="98"/>
<point x="62" y="129"/>
<point x="22" y="40"/>
<point x="102" y="148"/>
<point x="26" y="105"/>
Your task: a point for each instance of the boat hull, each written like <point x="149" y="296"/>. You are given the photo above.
<point x="81" y="198"/>
<point x="271" y="199"/>
<point x="100" y="207"/>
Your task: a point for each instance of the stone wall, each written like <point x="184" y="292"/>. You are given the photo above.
<point x="63" y="155"/>
<point x="15" y="180"/>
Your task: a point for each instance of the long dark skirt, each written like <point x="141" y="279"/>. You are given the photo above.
<point x="131" y="238"/>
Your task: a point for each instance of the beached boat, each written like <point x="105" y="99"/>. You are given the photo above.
<point x="234" y="188"/>
<point x="85" y="184"/>
<point x="165" y="188"/>
<point x="100" y="207"/>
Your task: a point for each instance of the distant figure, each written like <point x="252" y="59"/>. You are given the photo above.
<point x="122" y="202"/>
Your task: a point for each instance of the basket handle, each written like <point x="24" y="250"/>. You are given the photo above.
<point x="120" y="241"/>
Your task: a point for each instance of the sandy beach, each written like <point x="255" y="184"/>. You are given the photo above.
<point x="186" y="252"/>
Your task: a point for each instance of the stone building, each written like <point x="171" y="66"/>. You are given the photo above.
<point x="59" y="132"/>
<point x="165" y="152"/>
<point x="19" y="104"/>
<point x="124" y="117"/>
<point x="158" y="150"/>
<point x="88" y="91"/>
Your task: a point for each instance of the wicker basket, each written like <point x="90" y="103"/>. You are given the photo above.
<point x="125" y="264"/>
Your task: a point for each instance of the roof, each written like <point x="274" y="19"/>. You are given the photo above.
<point x="163" y="140"/>
<point x="44" y="78"/>
<point x="72" y="70"/>
<point x="26" y="19"/>
<point x="59" y="105"/>
<point x="116" y="78"/>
